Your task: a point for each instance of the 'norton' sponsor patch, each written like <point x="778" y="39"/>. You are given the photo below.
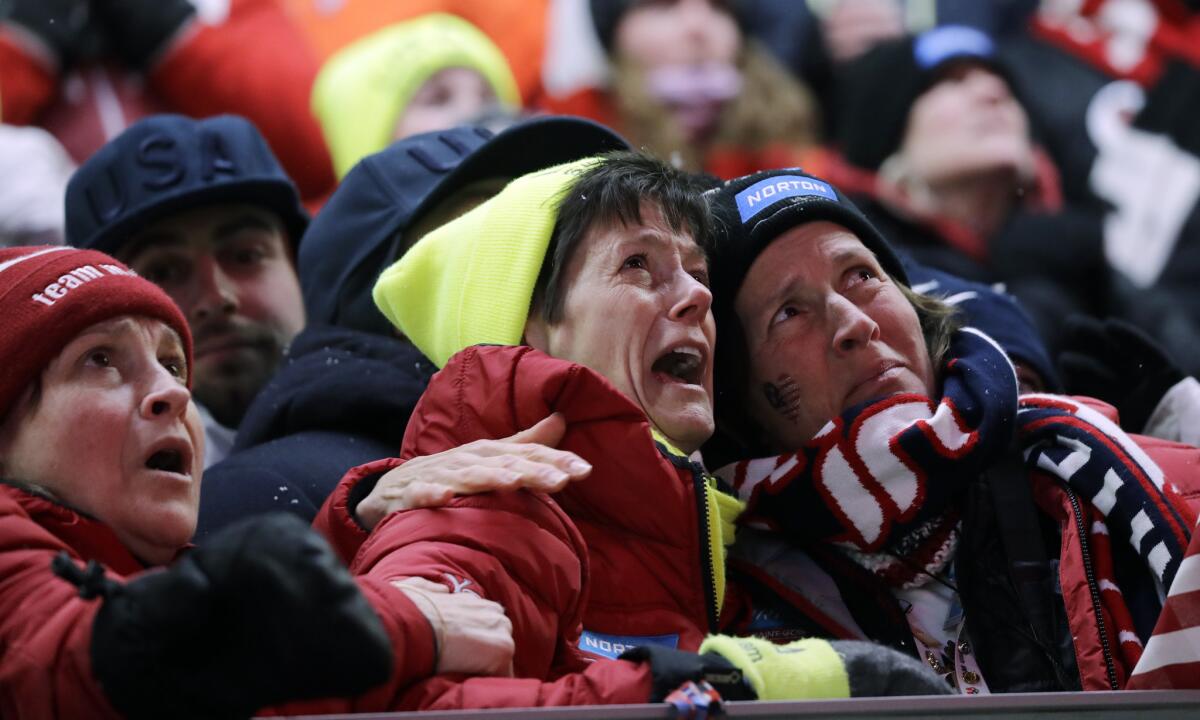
<point x="773" y="189"/>
<point x="611" y="646"/>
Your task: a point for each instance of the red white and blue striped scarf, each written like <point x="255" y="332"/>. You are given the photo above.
<point x="882" y="478"/>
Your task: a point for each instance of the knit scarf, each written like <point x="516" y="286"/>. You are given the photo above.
<point x="881" y="480"/>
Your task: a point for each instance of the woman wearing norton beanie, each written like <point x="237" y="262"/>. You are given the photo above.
<point x="101" y="450"/>
<point x="580" y="291"/>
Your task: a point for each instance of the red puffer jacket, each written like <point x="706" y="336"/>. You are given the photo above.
<point x="634" y="539"/>
<point x="46" y="628"/>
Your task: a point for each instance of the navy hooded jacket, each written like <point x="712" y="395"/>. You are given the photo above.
<point x="342" y="398"/>
<point x="345" y="393"/>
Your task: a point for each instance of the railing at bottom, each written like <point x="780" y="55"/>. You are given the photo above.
<point x="1145" y="705"/>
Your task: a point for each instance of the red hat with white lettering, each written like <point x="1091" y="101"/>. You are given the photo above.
<point x="48" y="295"/>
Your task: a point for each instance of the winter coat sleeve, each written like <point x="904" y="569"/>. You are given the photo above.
<point x="604" y="682"/>
<point x="256" y="63"/>
<point x="520" y="550"/>
<point x="45" y="628"/>
<point x="335" y="520"/>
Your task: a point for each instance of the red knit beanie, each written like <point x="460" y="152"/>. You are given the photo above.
<point x="48" y="295"/>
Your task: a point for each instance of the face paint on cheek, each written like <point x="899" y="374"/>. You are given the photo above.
<point x="783" y="396"/>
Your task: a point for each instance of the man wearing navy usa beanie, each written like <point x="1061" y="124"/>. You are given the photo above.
<point x="203" y="209"/>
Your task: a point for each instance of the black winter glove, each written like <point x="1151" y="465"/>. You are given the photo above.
<point x="59" y="24"/>
<point x="671" y="668"/>
<point x="140" y="29"/>
<point x="1117" y="363"/>
<point x="261" y="614"/>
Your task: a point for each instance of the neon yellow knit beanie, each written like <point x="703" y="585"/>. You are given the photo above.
<point x="471" y="280"/>
<point x="362" y="89"/>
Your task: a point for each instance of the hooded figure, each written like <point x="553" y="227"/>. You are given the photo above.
<point x="345" y="392"/>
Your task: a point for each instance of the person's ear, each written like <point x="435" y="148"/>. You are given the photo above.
<point x="537" y="333"/>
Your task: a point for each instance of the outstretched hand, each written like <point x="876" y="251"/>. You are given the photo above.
<point x="527" y="459"/>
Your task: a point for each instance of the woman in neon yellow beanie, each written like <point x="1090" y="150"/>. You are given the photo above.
<point x="420" y="75"/>
<point x="581" y="290"/>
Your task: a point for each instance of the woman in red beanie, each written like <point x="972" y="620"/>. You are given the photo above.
<point x="101" y="451"/>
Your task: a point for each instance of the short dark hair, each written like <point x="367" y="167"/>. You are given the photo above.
<point x="612" y="191"/>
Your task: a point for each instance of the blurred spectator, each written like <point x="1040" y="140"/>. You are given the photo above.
<point x="431" y="73"/>
<point x="815" y="38"/>
<point x="519" y="27"/>
<point x="203" y="209"/>
<point x="852" y="27"/>
<point x="344" y="394"/>
<point x="939" y="152"/>
<point x="688" y="87"/>
<point x="86" y="70"/>
<point x="34" y="170"/>
<point x="1114" y="89"/>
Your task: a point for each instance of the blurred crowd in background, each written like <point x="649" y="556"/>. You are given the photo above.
<point x="1068" y="171"/>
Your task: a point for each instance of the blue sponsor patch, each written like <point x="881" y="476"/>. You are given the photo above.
<point x="764" y="192"/>
<point x="936" y="46"/>
<point x="611" y="646"/>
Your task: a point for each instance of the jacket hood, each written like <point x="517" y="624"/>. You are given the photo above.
<point x="361" y="230"/>
<point x="340" y="380"/>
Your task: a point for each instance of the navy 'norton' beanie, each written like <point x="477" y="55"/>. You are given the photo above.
<point x="753" y="210"/>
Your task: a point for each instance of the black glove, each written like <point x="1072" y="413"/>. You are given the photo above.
<point x="1117" y="363"/>
<point x="263" y="613"/>
<point x="140" y="29"/>
<point x="59" y="24"/>
<point x="671" y="668"/>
